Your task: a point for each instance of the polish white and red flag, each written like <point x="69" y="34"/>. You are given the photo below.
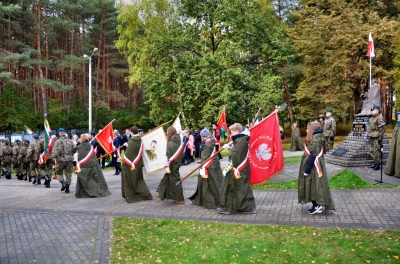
<point x="371" y="50"/>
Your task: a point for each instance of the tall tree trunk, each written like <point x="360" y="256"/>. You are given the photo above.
<point x="287" y="95"/>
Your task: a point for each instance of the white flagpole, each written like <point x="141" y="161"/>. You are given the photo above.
<point x="370" y="71"/>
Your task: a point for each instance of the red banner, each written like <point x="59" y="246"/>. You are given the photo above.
<point x="266" y="154"/>
<point x="221" y="125"/>
<point x="105" y="138"/>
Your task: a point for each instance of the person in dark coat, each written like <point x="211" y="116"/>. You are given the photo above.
<point x="168" y="188"/>
<point x="296" y="141"/>
<point x="116" y="155"/>
<point x="209" y="181"/>
<point x="90" y="181"/>
<point x="393" y="161"/>
<point x="197" y="145"/>
<point x="313" y="179"/>
<point x="236" y="194"/>
<point x="134" y="188"/>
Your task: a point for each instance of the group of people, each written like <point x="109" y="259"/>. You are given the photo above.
<point x="227" y="192"/>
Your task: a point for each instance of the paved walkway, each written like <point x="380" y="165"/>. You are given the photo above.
<point x="40" y="225"/>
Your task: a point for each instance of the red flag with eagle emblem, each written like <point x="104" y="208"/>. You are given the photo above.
<point x="105" y="138"/>
<point x="265" y="150"/>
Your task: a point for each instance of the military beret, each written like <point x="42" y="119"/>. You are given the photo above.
<point x="398" y="113"/>
<point x="376" y="107"/>
<point x="17" y="141"/>
<point x="6" y="141"/>
<point x="35" y="136"/>
<point x="27" y="141"/>
<point x="61" y="130"/>
<point x="328" y="110"/>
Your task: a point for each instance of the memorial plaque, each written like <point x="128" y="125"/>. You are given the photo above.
<point x="359" y="120"/>
<point x="357" y="134"/>
<point x="359" y="127"/>
<point x="339" y="152"/>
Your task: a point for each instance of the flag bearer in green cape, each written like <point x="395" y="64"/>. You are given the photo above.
<point x="313" y="181"/>
<point x="90" y="181"/>
<point x="168" y="188"/>
<point x="393" y="161"/>
<point x="296" y="141"/>
<point x="209" y="181"/>
<point x="236" y="194"/>
<point x="134" y="188"/>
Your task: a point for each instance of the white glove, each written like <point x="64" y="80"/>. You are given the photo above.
<point x="126" y="144"/>
<point x="305" y="174"/>
<point x="226" y="146"/>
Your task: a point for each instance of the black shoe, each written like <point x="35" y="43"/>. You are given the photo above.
<point x="25" y="177"/>
<point x="316" y="210"/>
<point x="47" y="185"/>
<point x="38" y="182"/>
<point x="377" y="167"/>
<point x="46" y="180"/>
<point x="67" y="188"/>
<point x="372" y="165"/>
<point x="30" y="179"/>
<point x="64" y="186"/>
<point x="8" y="175"/>
<point x="35" y="180"/>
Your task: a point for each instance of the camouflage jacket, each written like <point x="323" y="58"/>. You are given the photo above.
<point x="374" y="130"/>
<point x="51" y="156"/>
<point x="7" y="153"/>
<point x="329" y="127"/>
<point x="22" y="154"/>
<point x="1" y="150"/>
<point x="15" y="152"/>
<point x="64" y="149"/>
<point x="39" y="147"/>
<point x="31" y="154"/>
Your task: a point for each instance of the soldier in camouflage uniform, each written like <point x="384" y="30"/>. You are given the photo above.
<point x="15" y="152"/>
<point x="1" y="155"/>
<point x="63" y="152"/>
<point x="48" y="164"/>
<point x="329" y="127"/>
<point x="32" y="157"/>
<point x="6" y="159"/>
<point x="22" y="159"/>
<point x="376" y="133"/>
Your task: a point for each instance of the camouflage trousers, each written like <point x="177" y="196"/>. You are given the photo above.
<point x="46" y="168"/>
<point x="66" y="167"/>
<point x="6" y="166"/>
<point x="375" y="150"/>
<point x="17" y="166"/>
<point x="328" y="144"/>
<point x="33" y="168"/>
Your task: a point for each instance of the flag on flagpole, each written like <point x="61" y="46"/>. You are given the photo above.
<point x="371" y="49"/>
<point x="221" y="125"/>
<point x="29" y="131"/>
<point x="256" y="120"/>
<point x="48" y="144"/>
<point x="105" y="138"/>
<point x="265" y="150"/>
<point x="177" y="124"/>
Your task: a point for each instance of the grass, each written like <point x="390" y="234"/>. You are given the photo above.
<point x="292" y="160"/>
<point x="343" y="180"/>
<point x="176" y="241"/>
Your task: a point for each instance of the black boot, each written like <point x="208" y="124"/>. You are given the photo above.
<point x="372" y="165"/>
<point x="35" y="180"/>
<point x="25" y="177"/>
<point x="64" y="185"/>
<point x="38" y="181"/>
<point x="67" y="188"/>
<point x="8" y="175"/>
<point x="377" y="167"/>
<point x="46" y="179"/>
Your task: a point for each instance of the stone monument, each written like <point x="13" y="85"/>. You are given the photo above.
<point x="354" y="150"/>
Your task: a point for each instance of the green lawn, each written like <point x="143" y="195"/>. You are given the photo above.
<point x="343" y="180"/>
<point x="177" y="241"/>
